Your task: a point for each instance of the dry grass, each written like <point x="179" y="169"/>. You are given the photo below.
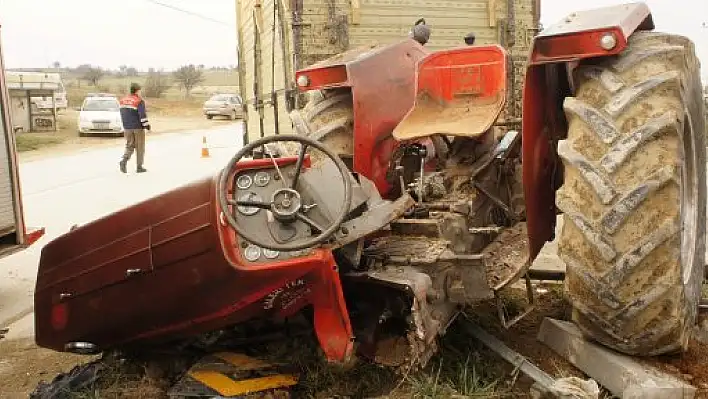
<point x="31" y="142"/>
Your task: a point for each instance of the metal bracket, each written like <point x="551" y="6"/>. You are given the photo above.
<point x="133" y="272"/>
<point x="501" y="309"/>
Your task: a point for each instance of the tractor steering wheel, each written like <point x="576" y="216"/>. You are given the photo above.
<point x="285" y="204"/>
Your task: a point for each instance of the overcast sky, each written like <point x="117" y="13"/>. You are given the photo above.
<point x="35" y="33"/>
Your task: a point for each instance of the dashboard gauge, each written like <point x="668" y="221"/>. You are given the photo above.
<point x="244" y="182"/>
<point x="262" y="179"/>
<point x="252" y="253"/>
<point x="249" y="210"/>
<point x="270" y="254"/>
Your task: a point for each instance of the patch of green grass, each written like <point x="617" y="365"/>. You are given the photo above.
<point x="463" y="368"/>
<point x="35" y="141"/>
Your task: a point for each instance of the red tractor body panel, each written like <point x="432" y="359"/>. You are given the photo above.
<point x="168" y="268"/>
<point x="467" y="85"/>
<point x="459" y="92"/>
<point x="554" y="54"/>
<point x="382" y="81"/>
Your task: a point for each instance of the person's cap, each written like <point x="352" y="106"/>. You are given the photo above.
<point x="134" y="87"/>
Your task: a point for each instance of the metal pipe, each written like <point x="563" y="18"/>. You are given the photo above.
<point x="516" y="359"/>
<point x="551" y="275"/>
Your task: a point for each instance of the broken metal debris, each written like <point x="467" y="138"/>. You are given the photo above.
<point x="228" y="375"/>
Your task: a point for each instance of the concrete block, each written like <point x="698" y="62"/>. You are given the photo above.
<point x="622" y="375"/>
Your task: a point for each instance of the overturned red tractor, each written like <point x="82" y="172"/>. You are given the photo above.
<point x="406" y="197"/>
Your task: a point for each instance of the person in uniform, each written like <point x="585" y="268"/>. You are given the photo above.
<point x="135" y="122"/>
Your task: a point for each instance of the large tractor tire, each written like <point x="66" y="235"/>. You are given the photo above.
<point x="634" y="196"/>
<point x="328" y="117"/>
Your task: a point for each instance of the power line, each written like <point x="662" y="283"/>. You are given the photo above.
<point x="204" y="17"/>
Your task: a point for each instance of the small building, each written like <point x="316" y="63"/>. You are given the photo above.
<point x="23" y="87"/>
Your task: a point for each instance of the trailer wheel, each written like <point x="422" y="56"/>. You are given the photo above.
<point x="634" y="196"/>
<point x="328" y="117"/>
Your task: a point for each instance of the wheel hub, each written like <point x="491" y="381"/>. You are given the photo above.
<point x="285" y="203"/>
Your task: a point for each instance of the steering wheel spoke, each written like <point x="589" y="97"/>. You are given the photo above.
<point x="254" y="204"/>
<point x="308" y="221"/>
<point x="298" y="164"/>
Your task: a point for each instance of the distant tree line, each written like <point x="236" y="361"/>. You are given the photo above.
<point x="156" y="83"/>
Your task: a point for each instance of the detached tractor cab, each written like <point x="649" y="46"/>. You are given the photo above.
<point x="403" y="199"/>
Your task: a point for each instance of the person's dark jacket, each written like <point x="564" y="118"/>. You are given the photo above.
<point x="132" y="112"/>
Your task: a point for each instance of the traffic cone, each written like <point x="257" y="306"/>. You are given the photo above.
<point x="205" y="149"/>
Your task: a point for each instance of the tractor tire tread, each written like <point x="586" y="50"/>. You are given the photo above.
<point x="634" y="196"/>
<point x="328" y="117"/>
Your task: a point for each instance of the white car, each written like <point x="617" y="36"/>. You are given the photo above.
<point x="100" y="114"/>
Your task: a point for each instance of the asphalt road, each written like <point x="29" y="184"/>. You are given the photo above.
<point x="76" y="189"/>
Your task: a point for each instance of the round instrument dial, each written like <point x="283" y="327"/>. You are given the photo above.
<point x="262" y="179"/>
<point x="244" y="182"/>
<point x="252" y="253"/>
<point x="249" y="210"/>
<point x="270" y="254"/>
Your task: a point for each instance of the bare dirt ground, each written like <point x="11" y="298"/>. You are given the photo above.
<point x="23" y="365"/>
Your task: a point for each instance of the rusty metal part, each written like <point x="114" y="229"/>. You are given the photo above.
<point x="508" y="256"/>
<point x="549" y="275"/>
<point x="508" y="259"/>
<point x="508" y="211"/>
<point x="501" y="309"/>
<point x="416" y="227"/>
<point x="430" y="316"/>
<point x="462" y="277"/>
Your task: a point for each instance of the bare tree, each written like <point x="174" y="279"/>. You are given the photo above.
<point x="94" y="75"/>
<point x="156" y="84"/>
<point x="57" y="64"/>
<point x="188" y="77"/>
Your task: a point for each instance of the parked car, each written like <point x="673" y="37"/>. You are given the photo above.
<point x="100" y="114"/>
<point x="228" y="105"/>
